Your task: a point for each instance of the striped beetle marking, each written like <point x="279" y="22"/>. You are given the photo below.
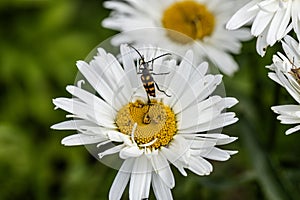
<point x="146" y="75"/>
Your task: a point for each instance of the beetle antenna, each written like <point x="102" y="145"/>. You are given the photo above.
<point x="165" y="54"/>
<point x="136" y="50"/>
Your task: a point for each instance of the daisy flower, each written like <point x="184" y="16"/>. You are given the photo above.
<point x="182" y="129"/>
<point x="271" y="20"/>
<point x="179" y="26"/>
<point x="287" y="74"/>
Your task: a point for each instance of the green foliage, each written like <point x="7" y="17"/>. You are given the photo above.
<point x="40" y="41"/>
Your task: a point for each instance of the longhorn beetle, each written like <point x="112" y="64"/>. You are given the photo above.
<point x="146" y="74"/>
<point x="295" y="71"/>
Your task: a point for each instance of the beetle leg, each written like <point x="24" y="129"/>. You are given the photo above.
<point x="161" y="90"/>
<point x="165" y="73"/>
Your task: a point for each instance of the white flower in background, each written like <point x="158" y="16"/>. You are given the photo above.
<point x="180" y="130"/>
<point x="178" y="26"/>
<point x="271" y="20"/>
<point x="287" y="74"/>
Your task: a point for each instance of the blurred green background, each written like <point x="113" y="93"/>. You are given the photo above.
<point x="40" y="41"/>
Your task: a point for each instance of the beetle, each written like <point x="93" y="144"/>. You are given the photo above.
<point x="295" y="71"/>
<point x="146" y="74"/>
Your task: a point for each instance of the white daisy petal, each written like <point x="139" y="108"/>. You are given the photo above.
<point x="200" y="90"/>
<point x="162" y="168"/>
<point x="288" y="119"/>
<point x="225" y="62"/>
<point x="291" y="48"/>
<point x="222" y="120"/>
<point x="141" y="171"/>
<point x="268" y="6"/>
<point x="232" y="152"/>
<point x="147" y="185"/>
<point x="90" y="75"/>
<point x="261" y="44"/>
<point x="292" y="130"/>
<point x="209" y="140"/>
<point x="116" y="136"/>
<point x="260" y="23"/>
<point x="201" y="70"/>
<point x="285" y="82"/>
<point x="94" y="130"/>
<point x="174" y="159"/>
<point x="128" y="62"/>
<point x="226" y="140"/>
<point x="121" y="180"/>
<point x="274" y="77"/>
<point x="180" y="77"/>
<point x="71" y="125"/>
<point x="215" y="154"/>
<point x="120" y="7"/>
<point x="200" y="166"/>
<point x="288" y="114"/>
<point x="202" y="144"/>
<point x="84" y="111"/>
<point x="284" y="22"/>
<point x="161" y="191"/>
<point x="175" y="153"/>
<point x="110" y="70"/>
<point x="91" y="99"/>
<point x="129" y="152"/>
<point x="242" y="16"/>
<point x="110" y="151"/>
<point x="286" y="109"/>
<point x="82" y="139"/>
<point x="296" y="18"/>
<point x="199" y="117"/>
<point x="274" y="27"/>
<point x="171" y="65"/>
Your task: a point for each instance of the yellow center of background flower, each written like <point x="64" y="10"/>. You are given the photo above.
<point x="155" y="122"/>
<point x="189" y="18"/>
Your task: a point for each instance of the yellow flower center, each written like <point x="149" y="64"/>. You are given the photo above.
<point x="189" y="18"/>
<point x="156" y="123"/>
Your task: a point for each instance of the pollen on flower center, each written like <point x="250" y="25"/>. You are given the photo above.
<point x="189" y="18"/>
<point x="155" y="122"/>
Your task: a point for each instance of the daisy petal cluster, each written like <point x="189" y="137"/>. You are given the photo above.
<point x="270" y="20"/>
<point x="288" y="114"/>
<point x="179" y="26"/>
<point x="180" y="129"/>
<point x="287" y="73"/>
